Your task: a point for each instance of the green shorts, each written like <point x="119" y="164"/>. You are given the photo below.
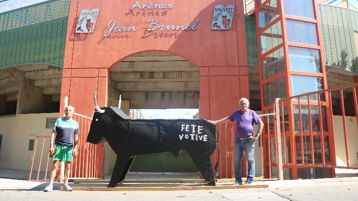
<point x="63" y="153"/>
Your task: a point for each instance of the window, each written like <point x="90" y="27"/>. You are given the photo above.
<point x="301" y="32"/>
<point x="304" y="84"/>
<point x="31" y="145"/>
<point x="273" y="63"/>
<point x="271" y="38"/>
<point x="267" y="16"/>
<point x="302" y="8"/>
<point x="304" y="60"/>
<point x="273" y="90"/>
<point x="269" y="4"/>
<point x="50" y="122"/>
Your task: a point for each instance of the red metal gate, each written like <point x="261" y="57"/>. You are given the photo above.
<point x="224" y="156"/>
<point x="308" y="143"/>
<point x="90" y="160"/>
<point x="87" y="164"/>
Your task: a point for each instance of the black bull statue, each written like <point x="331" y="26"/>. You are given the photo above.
<point x="128" y="138"/>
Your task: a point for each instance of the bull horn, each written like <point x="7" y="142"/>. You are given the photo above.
<point x="95" y="99"/>
<point x="65" y="101"/>
<point x="96" y="107"/>
<point x="120" y="101"/>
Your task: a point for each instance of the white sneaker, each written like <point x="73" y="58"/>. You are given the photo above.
<point x="67" y="187"/>
<point x="49" y="188"/>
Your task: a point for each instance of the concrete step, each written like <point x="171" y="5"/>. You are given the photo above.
<point x="125" y="186"/>
<point x="170" y="181"/>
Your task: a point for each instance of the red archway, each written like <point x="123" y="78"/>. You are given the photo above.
<point x="220" y="55"/>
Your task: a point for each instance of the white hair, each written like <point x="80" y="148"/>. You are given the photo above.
<point x="69" y="107"/>
<point x="244" y="100"/>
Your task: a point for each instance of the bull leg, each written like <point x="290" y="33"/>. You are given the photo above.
<point x="126" y="168"/>
<point x="120" y="170"/>
<point x="203" y="163"/>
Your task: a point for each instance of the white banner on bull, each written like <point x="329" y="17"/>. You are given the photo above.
<point x="87" y="20"/>
<point x="222" y="17"/>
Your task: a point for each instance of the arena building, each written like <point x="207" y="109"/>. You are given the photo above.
<point x="202" y="54"/>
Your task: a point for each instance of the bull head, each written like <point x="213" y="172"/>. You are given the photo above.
<point x="98" y="126"/>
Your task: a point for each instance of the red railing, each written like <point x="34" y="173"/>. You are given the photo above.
<point x="90" y="159"/>
<point x="87" y="164"/>
<point x="273" y="151"/>
<point x="298" y="134"/>
<point x="225" y="153"/>
<point x="308" y="136"/>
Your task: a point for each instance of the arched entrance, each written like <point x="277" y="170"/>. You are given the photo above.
<point x="155" y="81"/>
<point x="220" y="56"/>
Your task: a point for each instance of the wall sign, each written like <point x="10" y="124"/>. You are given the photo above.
<point x="146" y="13"/>
<point x="223" y="16"/>
<point x="159" y="30"/>
<point x="153" y="28"/>
<point x="151" y="5"/>
<point x="87" y="20"/>
<point x="139" y="9"/>
<point x="115" y="28"/>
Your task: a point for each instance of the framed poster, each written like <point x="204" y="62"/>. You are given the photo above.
<point x="87" y="20"/>
<point x="223" y="16"/>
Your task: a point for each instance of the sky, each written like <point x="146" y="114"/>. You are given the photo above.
<point x="7" y="5"/>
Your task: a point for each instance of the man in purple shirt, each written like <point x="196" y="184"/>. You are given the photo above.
<point x="245" y="139"/>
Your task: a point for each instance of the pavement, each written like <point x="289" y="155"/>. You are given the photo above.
<point x="167" y="187"/>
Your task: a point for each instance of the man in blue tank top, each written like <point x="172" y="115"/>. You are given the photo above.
<point x="63" y="146"/>
<point x="245" y="138"/>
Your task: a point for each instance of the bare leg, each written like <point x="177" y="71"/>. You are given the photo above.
<point x="55" y="168"/>
<point x="62" y="171"/>
<point x="67" y="171"/>
<point x="67" y="175"/>
<point x="54" y="171"/>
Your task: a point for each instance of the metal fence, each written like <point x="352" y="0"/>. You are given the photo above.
<point x="313" y="134"/>
<point x="308" y="135"/>
<point x="301" y="133"/>
<point x="87" y="164"/>
<point x="265" y="156"/>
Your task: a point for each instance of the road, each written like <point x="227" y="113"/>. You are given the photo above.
<point x="337" y="189"/>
